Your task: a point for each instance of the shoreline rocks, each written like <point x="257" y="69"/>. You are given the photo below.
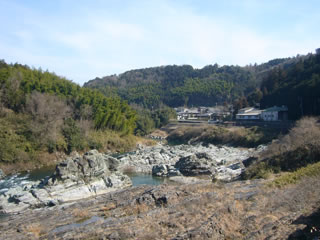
<point x="223" y="163"/>
<point x="76" y="178"/>
<point x="94" y="173"/>
<point x="196" y="164"/>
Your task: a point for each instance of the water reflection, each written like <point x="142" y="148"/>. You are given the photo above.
<point x="143" y="178"/>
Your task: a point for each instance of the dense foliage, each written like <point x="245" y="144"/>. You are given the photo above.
<point x="179" y="85"/>
<point x="297" y="86"/>
<point x="148" y="120"/>
<point x="241" y="86"/>
<point x="40" y="111"/>
<point x="17" y="82"/>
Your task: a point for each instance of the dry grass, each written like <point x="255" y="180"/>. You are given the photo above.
<point x="41" y="159"/>
<point x="236" y="136"/>
<point x="136" y="209"/>
<point x="203" y="211"/>
<point x="106" y="209"/>
<point x="300" y="147"/>
<point x="305" y="133"/>
<point x="36" y="229"/>
<point x="145" y="141"/>
<point x="81" y="214"/>
<point x="111" y="141"/>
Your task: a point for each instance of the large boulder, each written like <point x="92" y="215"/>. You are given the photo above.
<point x="89" y="167"/>
<point x="76" y="178"/>
<point x="196" y="164"/>
<point x="163" y="170"/>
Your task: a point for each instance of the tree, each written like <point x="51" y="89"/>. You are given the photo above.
<point x="48" y="113"/>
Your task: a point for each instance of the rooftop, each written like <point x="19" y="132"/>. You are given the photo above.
<point x="276" y="109"/>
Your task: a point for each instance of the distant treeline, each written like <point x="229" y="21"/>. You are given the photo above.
<point x="178" y="85"/>
<point x="288" y="81"/>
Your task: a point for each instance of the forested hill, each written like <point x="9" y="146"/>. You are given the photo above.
<point x="297" y="86"/>
<point x="184" y="85"/>
<point x="41" y="112"/>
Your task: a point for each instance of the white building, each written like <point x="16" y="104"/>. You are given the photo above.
<point x="249" y="113"/>
<point x="275" y="114"/>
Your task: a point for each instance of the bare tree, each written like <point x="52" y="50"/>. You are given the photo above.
<point x="48" y="113"/>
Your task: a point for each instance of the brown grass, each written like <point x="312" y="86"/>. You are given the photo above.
<point x="236" y="136"/>
<point x="108" y="207"/>
<point x="81" y="214"/>
<point x="36" y="229"/>
<point x="135" y="209"/>
<point x="305" y="133"/>
<point x="42" y="159"/>
<point x="300" y="147"/>
<point x="145" y="141"/>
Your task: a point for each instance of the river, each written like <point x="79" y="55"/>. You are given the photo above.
<point x="27" y="178"/>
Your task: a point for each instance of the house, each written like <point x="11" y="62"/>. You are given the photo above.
<point x="193" y="113"/>
<point x="202" y="113"/>
<point x="218" y="112"/>
<point x="275" y="114"/>
<point x="270" y="114"/>
<point x="249" y="113"/>
<point x="187" y="113"/>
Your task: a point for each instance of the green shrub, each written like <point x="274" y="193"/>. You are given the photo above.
<point x="73" y="135"/>
<point x="310" y="170"/>
<point x="13" y="147"/>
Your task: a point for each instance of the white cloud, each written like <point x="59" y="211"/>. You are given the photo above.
<point x="149" y="33"/>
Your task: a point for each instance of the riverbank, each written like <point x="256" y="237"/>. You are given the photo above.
<point x="43" y="159"/>
<point x="93" y="173"/>
<point x="190" y="209"/>
<point x="206" y="210"/>
<point x="222" y="135"/>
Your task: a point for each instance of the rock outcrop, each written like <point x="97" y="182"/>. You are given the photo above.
<point x="164" y="170"/>
<point x="80" y="177"/>
<point x="200" y="210"/>
<point x="165" y="160"/>
<point x="197" y="164"/>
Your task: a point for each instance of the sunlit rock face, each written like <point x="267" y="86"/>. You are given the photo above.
<point x="76" y="178"/>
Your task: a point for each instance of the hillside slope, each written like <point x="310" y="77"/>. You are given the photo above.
<point x="41" y="112"/>
<point x="184" y="85"/>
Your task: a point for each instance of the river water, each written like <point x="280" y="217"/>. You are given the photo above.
<point x="31" y="177"/>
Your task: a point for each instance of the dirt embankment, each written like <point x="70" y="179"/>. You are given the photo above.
<point x="238" y="210"/>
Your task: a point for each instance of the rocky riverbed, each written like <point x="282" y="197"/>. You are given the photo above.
<point x="192" y="209"/>
<point x="224" y="162"/>
<point x="95" y="173"/>
<point x="206" y="210"/>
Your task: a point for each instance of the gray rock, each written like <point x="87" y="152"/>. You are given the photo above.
<point x="76" y="178"/>
<point x="197" y="164"/>
<point x="90" y="166"/>
<point x="160" y="170"/>
<point x="2" y="175"/>
<point x="163" y="170"/>
<point x="186" y="180"/>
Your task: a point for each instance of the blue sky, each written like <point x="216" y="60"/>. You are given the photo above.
<point x="84" y="39"/>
